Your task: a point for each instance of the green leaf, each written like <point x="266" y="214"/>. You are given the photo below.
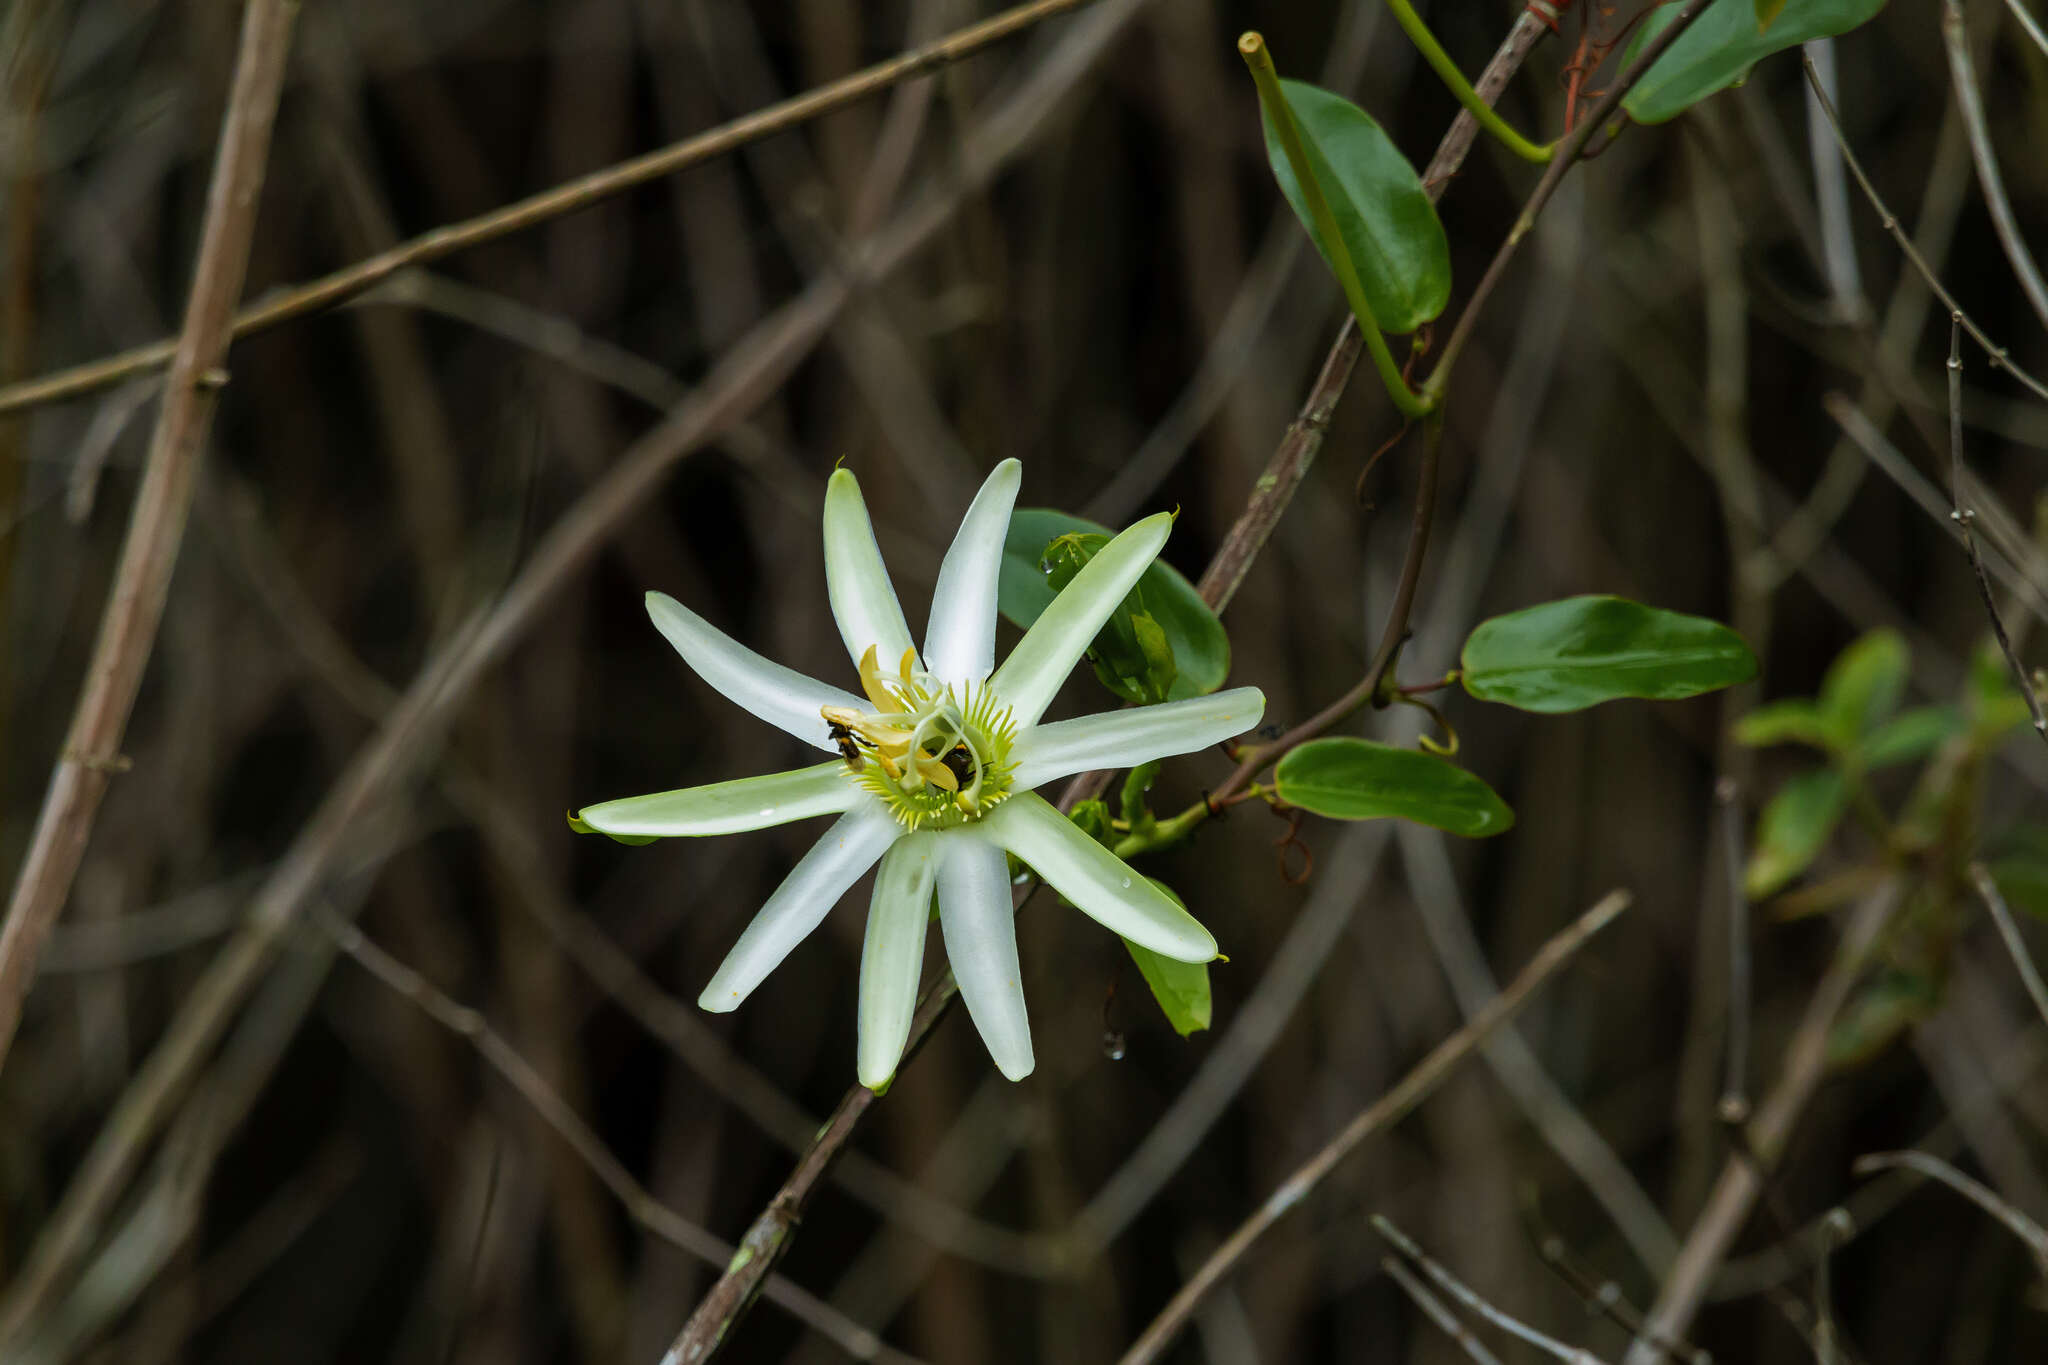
<point x="1092" y="819"/>
<point x="1767" y="11"/>
<point x="1721" y="46"/>
<point x="1994" y="706"/>
<point x="1795" y="720"/>
<point x="1566" y="656"/>
<point x="2021" y="870"/>
<point x="1793" y="829"/>
<point x="1357" y="779"/>
<point x="1883" y="1009"/>
<point x="1181" y="988"/>
<point x="1200" y="649"/>
<point x="1862" y="687"/>
<point x="1910" y="735"/>
<point x="1389" y="227"/>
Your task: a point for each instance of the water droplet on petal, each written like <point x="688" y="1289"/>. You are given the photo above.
<point x="767" y="811"/>
<point x="1127" y="883"/>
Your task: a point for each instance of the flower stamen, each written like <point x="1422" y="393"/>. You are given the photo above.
<point x="937" y="756"/>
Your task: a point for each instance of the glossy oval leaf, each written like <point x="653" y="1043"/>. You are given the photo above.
<point x="1357" y="779"/>
<point x="1793" y="829"/>
<point x="1201" y="650"/>
<point x="1181" y="988"/>
<point x="1566" y="656"/>
<point x="1723" y="43"/>
<point x="1390" y="229"/>
<point x="1795" y="720"/>
<point x="1863" y="686"/>
<point x="1911" y="736"/>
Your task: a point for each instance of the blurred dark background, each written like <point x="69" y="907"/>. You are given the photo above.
<point x="1126" y="307"/>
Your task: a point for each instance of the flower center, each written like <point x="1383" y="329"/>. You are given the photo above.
<point x="935" y="758"/>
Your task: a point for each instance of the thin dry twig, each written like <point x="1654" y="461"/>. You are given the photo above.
<point x="1465" y="1294"/>
<point x="1742" y="1177"/>
<point x="92" y="747"/>
<point x="1389" y="1109"/>
<point x="643" y="1208"/>
<point x="1999" y="358"/>
<point x="579" y="193"/>
<point x="1970" y="100"/>
<point x="2026" y="1229"/>
<point x="2009" y="930"/>
<point x="1733" y="1107"/>
<point x="1433" y="1307"/>
<point x="1966" y="519"/>
<point x="1835" y="1231"/>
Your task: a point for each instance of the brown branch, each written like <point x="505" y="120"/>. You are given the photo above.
<point x="1410" y="1091"/>
<point x="135" y="607"/>
<point x="579" y="193"/>
<point x="1742" y="1177"/>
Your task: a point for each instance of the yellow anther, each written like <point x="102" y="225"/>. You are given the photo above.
<point x="908" y="666"/>
<point x="937" y="773"/>
<point x="871" y="681"/>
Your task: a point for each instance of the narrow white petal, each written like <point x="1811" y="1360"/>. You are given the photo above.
<point x="1103" y="885"/>
<point x="1124" y="739"/>
<point x="783" y="697"/>
<point x="1057" y="639"/>
<point x="812" y="888"/>
<point x="960" y="638"/>
<point x="981" y="945"/>
<point x="863" y="602"/>
<point x="728" y="807"/>
<point x="892" y="956"/>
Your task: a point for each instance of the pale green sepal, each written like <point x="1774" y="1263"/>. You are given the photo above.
<point x="1122" y="739"/>
<point x="1061" y="635"/>
<point x="811" y="889"/>
<point x="633" y="840"/>
<point x="1103" y="885"/>
<point x="728" y="807"/>
<point x="960" y="637"/>
<point x="892" y="954"/>
<point x="781" y="696"/>
<point x="980" y="930"/>
<point x="863" y="600"/>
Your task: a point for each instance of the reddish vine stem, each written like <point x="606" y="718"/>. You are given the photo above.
<point x="1426" y="479"/>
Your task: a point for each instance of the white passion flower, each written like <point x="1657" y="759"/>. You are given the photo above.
<point x="934" y="774"/>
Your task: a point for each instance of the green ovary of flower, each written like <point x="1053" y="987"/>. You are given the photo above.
<point x="935" y="756"/>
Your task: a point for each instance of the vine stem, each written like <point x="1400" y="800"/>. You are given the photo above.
<point x="711" y="1323"/>
<point x="1439" y="381"/>
<point x="1447" y="70"/>
<point x="135" y="607"/>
